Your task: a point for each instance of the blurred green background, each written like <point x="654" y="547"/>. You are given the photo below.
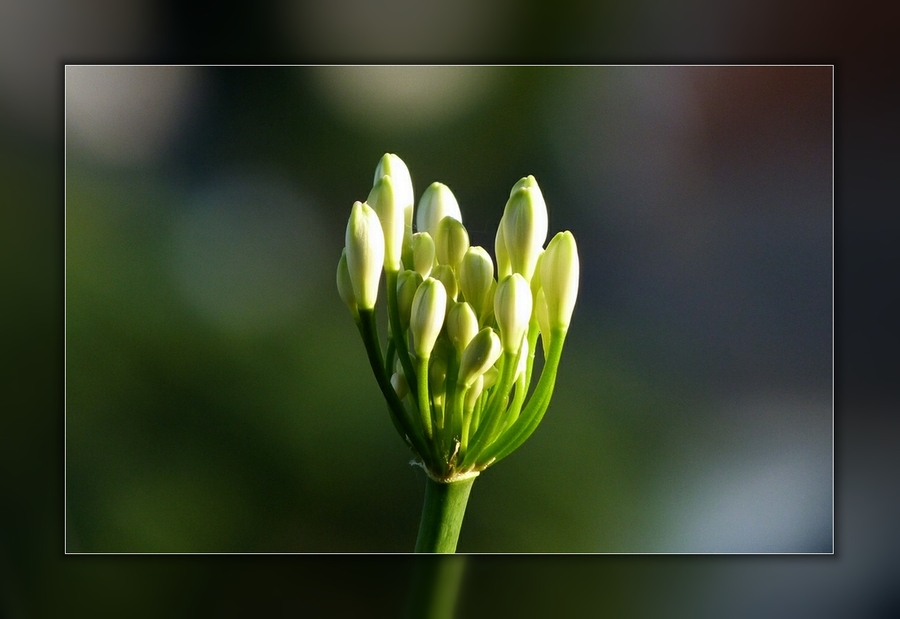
<point x="217" y="395"/>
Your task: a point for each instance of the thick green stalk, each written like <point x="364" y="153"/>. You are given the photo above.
<point x="442" y="514"/>
<point x="436" y="585"/>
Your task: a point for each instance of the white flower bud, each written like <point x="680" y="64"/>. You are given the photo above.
<point x="427" y="316"/>
<point x="448" y="278"/>
<point x="524" y="226"/>
<point x="364" y="243"/>
<point x="407" y="284"/>
<point x="436" y="203"/>
<point x="481" y="353"/>
<point x="451" y="241"/>
<point x="559" y="279"/>
<point x="345" y="286"/>
<point x="394" y="167"/>
<point x="540" y="303"/>
<point x="476" y="274"/>
<point x="398" y="382"/>
<point x="423" y="253"/>
<point x="503" y="266"/>
<point x="474" y="392"/>
<point x="512" y="309"/>
<point x="383" y="200"/>
<point x="462" y="325"/>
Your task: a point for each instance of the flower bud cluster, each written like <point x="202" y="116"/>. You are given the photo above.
<point x="462" y="335"/>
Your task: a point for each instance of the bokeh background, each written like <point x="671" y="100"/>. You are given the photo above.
<point x="217" y="394"/>
<point x="38" y="37"/>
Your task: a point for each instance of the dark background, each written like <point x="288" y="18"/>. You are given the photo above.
<point x="39" y="580"/>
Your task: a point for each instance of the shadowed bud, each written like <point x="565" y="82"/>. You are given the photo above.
<point x="524" y="226"/>
<point x="474" y="392"/>
<point x="436" y="203"/>
<point x="398" y="382"/>
<point x="393" y="166"/>
<point x="345" y="286"/>
<point x="451" y="241"/>
<point x="423" y="253"/>
<point x="364" y="243"/>
<point x="512" y="309"/>
<point x="491" y="376"/>
<point x="448" y="278"/>
<point x="407" y="284"/>
<point x="503" y="266"/>
<point x="481" y="353"/>
<point x="476" y="274"/>
<point x="437" y="376"/>
<point x="462" y="325"/>
<point x="559" y="278"/>
<point x="383" y="200"/>
<point x="427" y="316"/>
<point x="540" y="304"/>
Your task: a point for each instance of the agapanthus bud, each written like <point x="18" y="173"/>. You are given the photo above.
<point x="540" y="305"/>
<point x="423" y="253"/>
<point x="394" y="167"/>
<point x="383" y="200"/>
<point x="503" y="266"/>
<point x="476" y="274"/>
<point x="462" y="325"/>
<point x="491" y="376"/>
<point x="474" y="392"/>
<point x="559" y="278"/>
<point x="524" y="229"/>
<point x="364" y="243"/>
<point x="512" y="309"/>
<point x="448" y="278"/>
<point x="436" y="203"/>
<point x="437" y="376"/>
<point x="345" y="286"/>
<point x="481" y="353"/>
<point x="427" y="316"/>
<point x="407" y="284"/>
<point x="451" y="241"/>
<point x="398" y="382"/>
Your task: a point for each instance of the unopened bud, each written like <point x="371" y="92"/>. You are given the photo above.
<point x="481" y="353"/>
<point x="524" y="229"/>
<point x="503" y="266"/>
<point x="364" y="243"/>
<point x="345" y="286"/>
<point x="451" y="241"/>
<point x="423" y="253"/>
<point x="540" y="304"/>
<point x="384" y="201"/>
<point x="476" y="274"/>
<point x="436" y="203"/>
<point x="462" y="325"/>
<point x="474" y="392"/>
<point x="427" y="316"/>
<point x="394" y="167"/>
<point x="448" y="278"/>
<point x="398" y="382"/>
<point x="407" y="284"/>
<point x="559" y="279"/>
<point x="512" y="309"/>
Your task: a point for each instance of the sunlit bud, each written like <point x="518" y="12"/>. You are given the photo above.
<point x="462" y="325"/>
<point x="345" y="286"/>
<point x="559" y="278"/>
<point x="503" y="266"/>
<point x="540" y="303"/>
<point x="436" y="203"/>
<point x="394" y="167"/>
<point x="423" y="253"/>
<point x="512" y="309"/>
<point x="407" y="284"/>
<point x="383" y="200"/>
<point x="481" y="353"/>
<point x="427" y="316"/>
<point x="491" y="376"/>
<point x="364" y="243"/>
<point x="524" y="226"/>
<point x="474" y="392"/>
<point x="451" y="241"/>
<point x="398" y="382"/>
<point x="448" y="278"/>
<point x="476" y="274"/>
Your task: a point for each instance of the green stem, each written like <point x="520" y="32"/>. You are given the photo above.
<point x="436" y="584"/>
<point x="442" y="514"/>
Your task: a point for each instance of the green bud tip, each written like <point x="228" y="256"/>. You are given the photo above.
<point x="364" y="244"/>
